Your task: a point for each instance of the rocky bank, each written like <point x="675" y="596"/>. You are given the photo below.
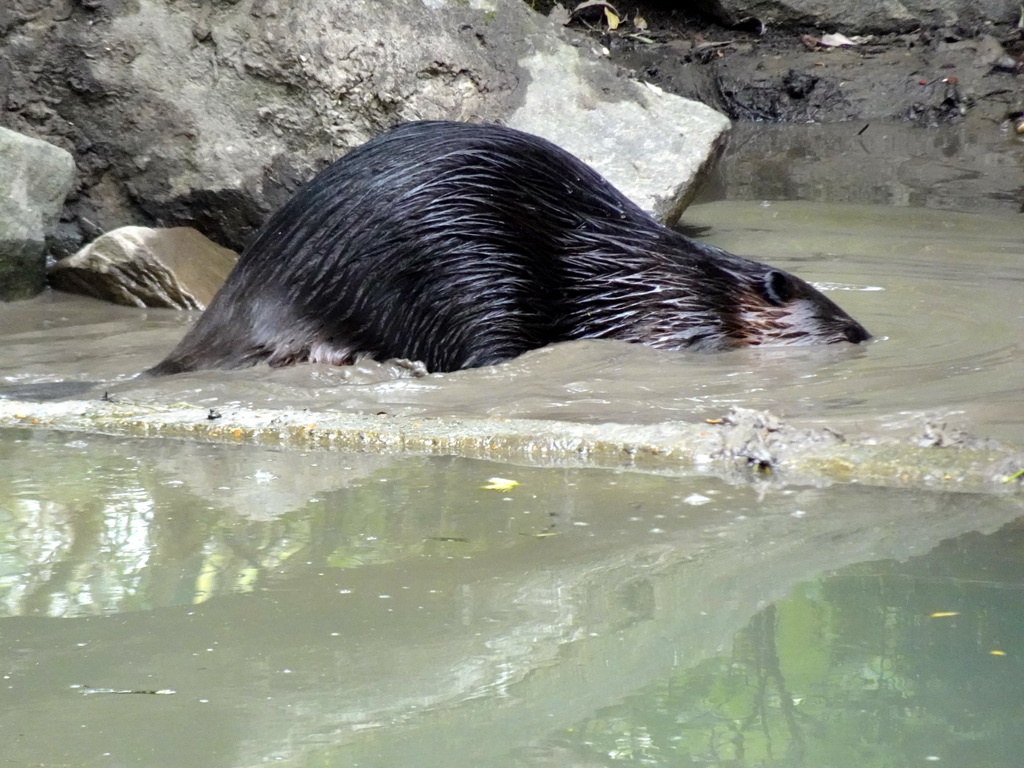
<point x="209" y="115"/>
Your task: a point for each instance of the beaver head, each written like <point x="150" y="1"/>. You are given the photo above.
<point x="780" y="308"/>
<point x="667" y="291"/>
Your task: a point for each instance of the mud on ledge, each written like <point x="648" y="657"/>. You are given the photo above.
<point x="743" y="446"/>
<point x="769" y="73"/>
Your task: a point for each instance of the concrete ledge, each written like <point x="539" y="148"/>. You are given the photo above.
<point x="743" y="446"/>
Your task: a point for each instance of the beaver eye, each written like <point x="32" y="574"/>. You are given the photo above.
<point x="778" y="288"/>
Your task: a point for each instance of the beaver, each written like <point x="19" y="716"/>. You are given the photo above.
<point x="463" y="245"/>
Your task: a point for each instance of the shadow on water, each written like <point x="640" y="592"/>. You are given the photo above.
<point x="171" y="603"/>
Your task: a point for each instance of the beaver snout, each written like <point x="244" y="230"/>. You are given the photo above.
<point x="855" y="333"/>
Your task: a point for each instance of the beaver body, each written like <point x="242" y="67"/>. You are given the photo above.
<point x="464" y="245"/>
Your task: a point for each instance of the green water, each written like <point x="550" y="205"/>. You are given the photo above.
<point x="858" y="669"/>
<point x="166" y="603"/>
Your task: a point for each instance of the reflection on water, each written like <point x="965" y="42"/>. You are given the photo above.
<point x="166" y="604"/>
<point x="882" y="664"/>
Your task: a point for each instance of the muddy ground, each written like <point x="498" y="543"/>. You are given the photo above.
<point x="929" y="76"/>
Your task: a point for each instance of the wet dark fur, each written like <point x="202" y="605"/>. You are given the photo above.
<point x="464" y="245"/>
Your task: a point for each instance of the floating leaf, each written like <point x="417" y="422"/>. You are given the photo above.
<point x="499" y="484"/>
<point x="943" y="614"/>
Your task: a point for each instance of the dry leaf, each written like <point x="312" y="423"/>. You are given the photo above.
<point x="593" y="4"/>
<point x="835" y="40"/>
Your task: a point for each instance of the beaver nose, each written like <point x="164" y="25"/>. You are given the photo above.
<point x="856" y="333"/>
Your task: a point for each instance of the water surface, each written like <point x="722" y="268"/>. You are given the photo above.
<point x="167" y="603"/>
<point x="943" y="293"/>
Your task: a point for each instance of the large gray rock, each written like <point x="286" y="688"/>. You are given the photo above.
<point x="652" y="146"/>
<point x="210" y="115"/>
<point x="864" y="16"/>
<point x="142" y="267"/>
<point x="35" y="177"/>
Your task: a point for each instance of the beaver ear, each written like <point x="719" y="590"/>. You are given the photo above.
<point x="778" y="288"/>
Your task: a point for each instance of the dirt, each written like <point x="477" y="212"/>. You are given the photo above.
<point x="929" y="76"/>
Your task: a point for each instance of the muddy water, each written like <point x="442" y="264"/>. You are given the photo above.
<point x="941" y="287"/>
<point x="167" y="603"/>
<point x="943" y="292"/>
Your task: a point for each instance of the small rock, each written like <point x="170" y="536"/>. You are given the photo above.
<point x="142" y="267"/>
